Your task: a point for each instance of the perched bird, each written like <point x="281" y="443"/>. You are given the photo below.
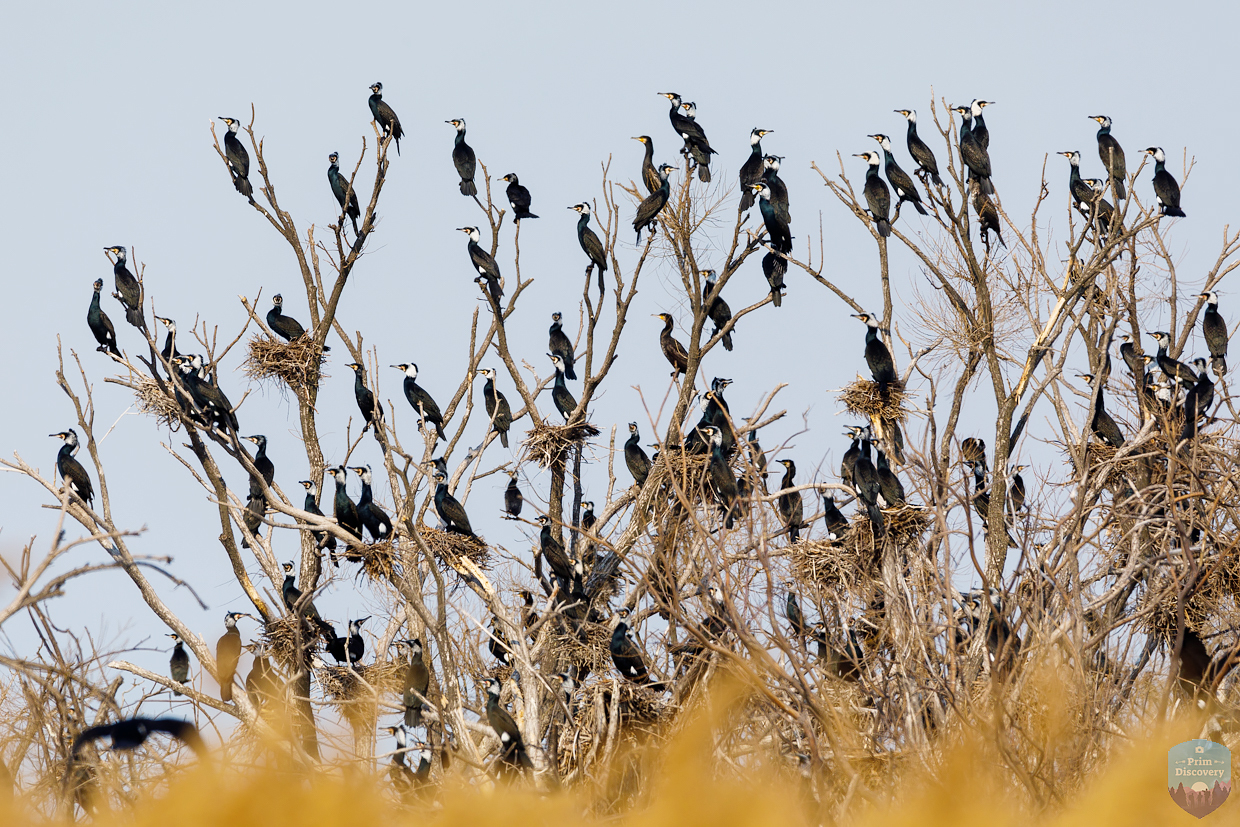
<point x="1101" y="423"/>
<point x="227" y="654"/>
<point x="888" y="483"/>
<point x="850" y="456"/>
<point x="518" y="198"/>
<point x="170" y="351"/>
<point x="686" y="126"/>
<point x="552" y="550"/>
<point x="776" y="226"/>
<point x="132" y="733"/>
<point x="564" y="400"/>
<point x="972" y="152"/>
<point x="672" y="349"/>
<point x="877" y="196"/>
<point x="650" y="175"/>
<point x="1166" y="190"/>
<point x="834" y="519"/>
<point x="322" y="539"/>
<point x="560" y="345"/>
<point x="238" y="159"/>
<point x="877" y="356"/>
<point x="294" y="601"/>
<point x="417" y="679"/>
<point x="1174" y="369"/>
<point x="372" y="517"/>
<point x="721" y="478"/>
<point x="71" y="471"/>
<point x="356" y="643"/>
<point x="752" y="169"/>
<point x="589" y="242"/>
<point x="498" y="410"/>
<point x="497" y="644"/>
<point x="365" y="399"/>
<point x="513" y="499"/>
<point x="987" y="216"/>
<point x="774" y="266"/>
<point x="342" y="188"/>
<point x="635" y="457"/>
<point x="1016" y="489"/>
<point x="900" y="181"/>
<point x="922" y="154"/>
<point x="344" y="509"/>
<point x="1112" y="155"/>
<point x="484" y="263"/>
<point x="973" y="449"/>
<point x="384" y="116"/>
<point x="178" y="665"/>
<point x="792" y="611"/>
<point x="101" y="325"/>
<point x="1108" y="218"/>
<point x="869" y="490"/>
<point x="791" y="509"/>
<point x="449" y="509"/>
<point x="286" y="327"/>
<point x="1081" y="192"/>
<point x="717" y="310"/>
<point x="262" y="463"/>
<point x="757" y="457"/>
<point x="262" y="683"/>
<point x="463" y="158"/>
<point x="980" y="133"/>
<point x="648" y="210"/>
<point x="421" y="401"/>
<point x="779" y="190"/>
<point x="1214" y="331"/>
<point x="512" y="754"/>
<point x="624" y="652"/>
<point x="252" y="517"/>
<point x="206" y="393"/>
<point x="128" y="288"/>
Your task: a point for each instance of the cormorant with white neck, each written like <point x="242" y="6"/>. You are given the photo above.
<point x="100" y="325"/>
<point x="900" y="181"/>
<point x="421" y="401"/>
<point x="1214" y="330"/>
<point x="484" y="263"/>
<point x="340" y="187"/>
<point x="589" y="242"/>
<point x="128" y="288"/>
<point x="753" y="167"/>
<point x="922" y="154"/>
<point x="371" y="515"/>
<point x="463" y="158"/>
<point x="384" y="116"/>
<point x="877" y="196"/>
<point x="1166" y="190"/>
<point x="498" y="410"/>
<point x="560" y="345"/>
<point x="238" y="159"/>
<point x="1112" y="155"/>
<point x="286" y="327"/>
<point x="71" y="471"/>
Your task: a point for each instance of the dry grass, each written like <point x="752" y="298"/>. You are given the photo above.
<point x="545" y="444"/>
<point x="298" y="364"/>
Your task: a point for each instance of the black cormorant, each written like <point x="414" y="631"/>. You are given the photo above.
<point x="286" y="327"/>
<point x="774" y="266"/>
<point x="252" y="517"/>
<point x="973" y="449"/>
<point x="371" y="515"/>
<point x="792" y="611"/>
<point x="484" y="263"/>
<point x="888" y="483"/>
<point x="1101" y="423"/>
<point x="100" y="324"/>
<point x="877" y="196"/>
<point x="1082" y="193"/>
<point x="341" y="188"/>
<point x="877" y="356"/>
<point x="980" y="133"/>
<point x="552" y="550"/>
<point x="497" y="643"/>
<point x="207" y="394"/>
<point x="1108" y="218"/>
<point x="987" y="216"/>
<point x="624" y="652"/>
<point x="686" y="126"/>
<point x="238" y="159"/>
<point x="227" y="654"/>
<point x="356" y="643"/>
<point x="672" y="349"/>
<point x="71" y="471"/>
<point x="757" y="457"/>
<point x="635" y="458"/>
<point x="1128" y="351"/>
<point x="421" y="401"/>
<point x="589" y="242"/>
<point x="753" y="168"/>
<point x="498" y="411"/>
<point x="721" y="477"/>
<point x="865" y="481"/>
<point x="322" y="539"/>
<point x="512" y="755"/>
<point x="1203" y="391"/>
<point x="1214" y="330"/>
<point x="900" y="181"/>
<point x="365" y="399"/>
<point x="170" y="341"/>
<point x="513" y="499"/>
<point x="178" y="665"/>
<point x="850" y="456"/>
<point x="790" y="507"/>
<point x="776" y="227"/>
<point x="832" y="517"/>
<point x="717" y="311"/>
<point x="650" y="207"/>
<point x="974" y="155"/>
<point x="1112" y="155"/>
<point x="417" y="680"/>
<point x="463" y="158"/>
<point x="128" y="288"/>
<point x="1174" y="369"/>
<point x="779" y="190"/>
<point x="560" y="345"/>
<point x="343" y="508"/>
<point x="132" y="733"/>
<point x="564" y="400"/>
<point x="650" y="175"/>
<point x="1016" y="489"/>
<point x="917" y="148"/>
<point x="262" y="682"/>
<point x="1166" y="190"/>
<point x="518" y="198"/>
<point x="384" y="116"/>
<point x="262" y="463"/>
<point x="449" y="509"/>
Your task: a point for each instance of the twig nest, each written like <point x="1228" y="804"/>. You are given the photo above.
<point x="581" y="644"/>
<point x="832" y="564"/>
<point x="284" y="634"/>
<point x="449" y="548"/>
<point x="1162" y="598"/>
<point x="298" y="364"/>
<point x="154" y="402"/>
<point x="545" y="444"/>
<point x="863" y="398"/>
<point x="378" y="560"/>
<point x="637" y="705"/>
<point x="904" y="525"/>
<point x="361" y="682"/>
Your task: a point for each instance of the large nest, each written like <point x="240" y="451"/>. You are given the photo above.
<point x="635" y="704"/>
<point x="449" y="547"/>
<point x="153" y="401"/>
<point x="582" y="645"/>
<point x="546" y="444"/>
<point x="283" y="635"/>
<point x="863" y="398"/>
<point x="903" y="526"/>
<point x="831" y="564"/>
<point x="357" y="689"/>
<point x="1162" y="600"/>
<point x="298" y="364"/>
<point x="378" y="560"/>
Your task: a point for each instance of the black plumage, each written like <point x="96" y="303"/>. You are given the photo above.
<point x="498" y="411"/>
<point x="624" y="652"/>
<point x="343" y="508"/>
<point x="650" y="207"/>
<point x="322" y="539"/>
<point x="1081" y="192"/>
<point x="384" y="116"/>
<point x="252" y="516"/>
<point x="1101" y="423"/>
<point x="178" y="664"/>
<point x="1174" y="369"/>
<point x="552" y="550"/>
<point x="672" y="349"/>
<point x="877" y="196"/>
<point x="650" y="175"/>
<point x="170" y="351"/>
<point x="850" y="456"/>
<point x="355" y="643"/>
<point x="563" y="398"/>
<point x="717" y="309"/>
<point x="512" y="755"/>
<point x="753" y="168"/>
<point x="417" y="680"/>
<point x="513" y="499"/>
<point x="132" y="733"/>
<point x="888" y="483"/>
<point x="206" y="393"/>
<point x="877" y="356"/>
<point x="635" y="457"/>
<point x="686" y="126"/>
<point x="1112" y="155"/>
<point x="100" y="324"/>
<point x="980" y="133"/>
<point x="865" y="481"/>
<point x="973" y="449"/>
<point x="774" y="266"/>
<point x="1214" y="331"/>
<point x="987" y="216"/>
<point x="228" y="654"/>
<point x="484" y="263"/>
<point x="776" y="227"/>
<point x="901" y="184"/>
<point x="286" y="327"/>
<point x="373" y="518"/>
<point x="365" y="398"/>
<point x="779" y="190"/>
<point x="450" y="509"/>
<point x="790" y="506"/>
<point x="262" y="463"/>
<point x="238" y="159"/>
<point x="421" y="402"/>
<point x="1016" y="489"/>
<point x="343" y="190"/>
<point x="589" y="242"/>
<point x="757" y="457"/>
<point x="917" y="148"/>
<point x="560" y="345"/>
<point x="721" y="478"/>
<point x="832" y="517"/>
<point x="128" y="288"/>
<point x="972" y="152"/>
<point x="792" y="611"/>
<point x="1166" y="190"/>
<point x="518" y="197"/>
<point x="463" y="158"/>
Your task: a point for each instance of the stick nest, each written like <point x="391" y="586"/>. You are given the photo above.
<point x="863" y="398"/>
<point x="582" y="645"/>
<point x="298" y="364"/>
<point x="449" y="548"/>
<point x="545" y="444"/>
<point x="636" y="705"/>
<point x="282" y="636"/>
<point x="904" y="526"/>
<point x="153" y="401"/>
<point x="1162" y="599"/>
<point x="832" y="564"/>
<point x="378" y="560"/>
<point x="342" y="683"/>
